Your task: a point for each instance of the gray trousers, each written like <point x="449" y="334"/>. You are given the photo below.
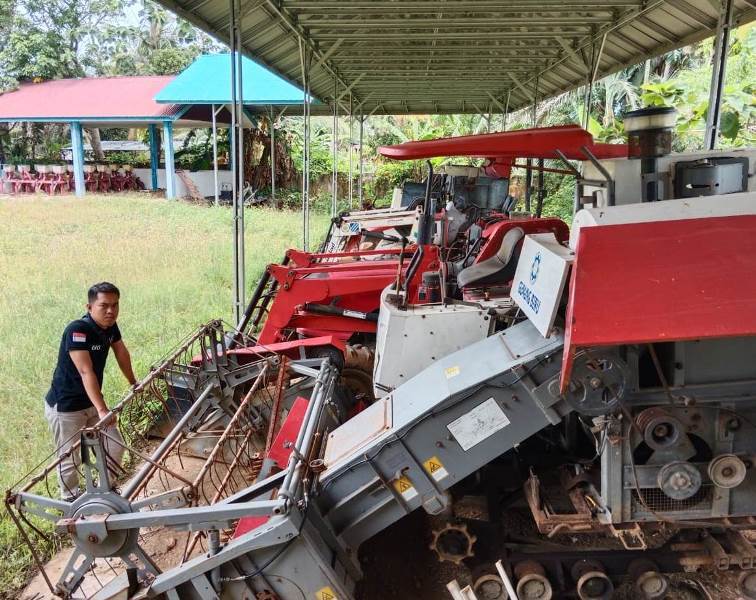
<point x="64" y="427"/>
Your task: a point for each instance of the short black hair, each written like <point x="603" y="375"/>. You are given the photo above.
<point x="103" y="287"/>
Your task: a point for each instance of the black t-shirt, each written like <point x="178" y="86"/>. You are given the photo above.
<point x="67" y="390"/>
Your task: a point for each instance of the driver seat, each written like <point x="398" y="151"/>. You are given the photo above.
<point x="497" y="269"/>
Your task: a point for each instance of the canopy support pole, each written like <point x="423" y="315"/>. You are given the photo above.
<point x="351" y="153"/>
<point x="718" y="73"/>
<point x="335" y="136"/>
<point x="154" y="156"/>
<point x="237" y="154"/>
<point x="362" y="172"/>
<point x="541" y="190"/>
<point x="170" y="167"/>
<point x="305" y="58"/>
<point x="506" y="109"/>
<point x="528" y="184"/>
<point x="272" y="156"/>
<point x="77" y="149"/>
<point x="215" y="154"/>
<point x="595" y="63"/>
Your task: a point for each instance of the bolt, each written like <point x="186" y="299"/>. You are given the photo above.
<point x="679" y="481"/>
<point x="733" y="424"/>
<point x="661" y="430"/>
<point x="595" y="383"/>
<point x="93" y="538"/>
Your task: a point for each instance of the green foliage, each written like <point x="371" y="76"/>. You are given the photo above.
<point x="560" y="196"/>
<point x="135" y="159"/>
<point x="321" y="154"/>
<point x="662" y="93"/>
<point x="688" y="91"/>
<point x="170" y="61"/>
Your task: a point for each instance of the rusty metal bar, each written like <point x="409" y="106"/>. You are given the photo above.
<point x="232" y="422"/>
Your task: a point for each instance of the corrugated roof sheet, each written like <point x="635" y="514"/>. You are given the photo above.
<point x="445" y="56"/>
<point x="208" y="81"/>
<point x="89" y="99"/>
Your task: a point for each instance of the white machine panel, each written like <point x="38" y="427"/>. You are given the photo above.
<point x="436" y="331"/>
<point x="540" y="277"/>
<point x="626" y="173"/>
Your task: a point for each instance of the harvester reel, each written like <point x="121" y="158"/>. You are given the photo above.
<point x="453" y="543"/>
<point x="598" y="383"/>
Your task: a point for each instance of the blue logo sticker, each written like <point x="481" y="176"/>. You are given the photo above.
<point x="535" y="267"/>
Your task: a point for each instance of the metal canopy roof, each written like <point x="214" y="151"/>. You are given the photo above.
<point x="208" y="81"/>
<point x="451" y="56"/>
<point x="126" y="101"/>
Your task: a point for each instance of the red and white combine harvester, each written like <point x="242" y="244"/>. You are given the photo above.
<point x="567" y="407"/>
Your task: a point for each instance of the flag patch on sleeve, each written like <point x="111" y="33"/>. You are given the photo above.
<point x="79" y="337"/>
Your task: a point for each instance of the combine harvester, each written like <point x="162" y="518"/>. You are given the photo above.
<point x="447" y="352"/>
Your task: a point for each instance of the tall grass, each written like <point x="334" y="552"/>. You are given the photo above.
<point x="172" y="262"/>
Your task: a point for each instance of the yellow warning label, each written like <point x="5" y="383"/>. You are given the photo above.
<point x="435" y="468"/>
<point x="451" y="372"/>
<point x="403" y="485"/>
<point x="433" y="464"/>
<point x="325" y="593"/>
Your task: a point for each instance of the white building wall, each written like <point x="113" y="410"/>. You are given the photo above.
<point x="202" y="179"/>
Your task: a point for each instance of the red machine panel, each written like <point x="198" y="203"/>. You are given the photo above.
<point x="662" y="281"/>
<point x="539" y="142"/>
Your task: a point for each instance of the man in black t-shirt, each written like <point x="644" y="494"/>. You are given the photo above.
<point x="75" y="398"/>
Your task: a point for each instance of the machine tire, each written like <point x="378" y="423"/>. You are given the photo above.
<point x="357" y="374"/>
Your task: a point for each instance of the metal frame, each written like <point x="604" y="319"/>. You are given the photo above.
<point x="718" y="72"/>
<point x="411" y="62"/>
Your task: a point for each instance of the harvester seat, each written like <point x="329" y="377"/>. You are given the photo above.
<point x="497" y="269"/>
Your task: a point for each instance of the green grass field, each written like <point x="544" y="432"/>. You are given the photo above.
<point x="172" y="262"/>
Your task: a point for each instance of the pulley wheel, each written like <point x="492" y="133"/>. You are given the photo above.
<point x="679" y="480"/>
<point x="597" y="385"/>
<point x="727" y="471"/>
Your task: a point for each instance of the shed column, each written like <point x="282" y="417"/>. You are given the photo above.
<point x="77" y="149"/>
<point x="718" y="72"/>
<point x="170" y="170"/>
<point x="154" y="158"/>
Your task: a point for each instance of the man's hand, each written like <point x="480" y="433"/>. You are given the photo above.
<point x="112" y="418"/>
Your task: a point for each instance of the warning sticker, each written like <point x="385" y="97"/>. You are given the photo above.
<point x="451" y="372"/>
<point x="479" y="424"/>
<point x="435" y="468"/>
<point x="325" y="593"/>
<point x="405" y="488"/>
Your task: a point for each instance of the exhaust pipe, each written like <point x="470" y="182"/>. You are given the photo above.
<point x="649" y="135"/>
